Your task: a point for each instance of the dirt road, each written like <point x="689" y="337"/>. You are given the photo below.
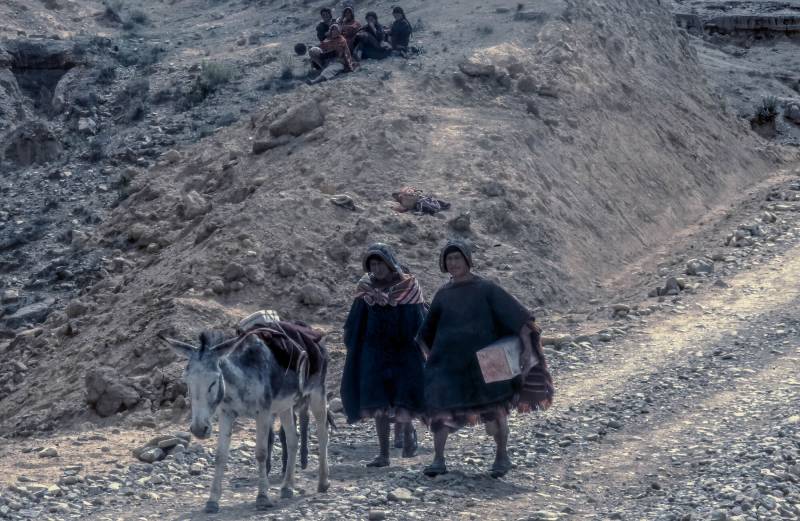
<point x="686" y="409"/>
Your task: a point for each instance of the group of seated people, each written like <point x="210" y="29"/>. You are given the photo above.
<point x="345" y="41"/>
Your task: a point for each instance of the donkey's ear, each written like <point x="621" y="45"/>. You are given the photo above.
<point x="225" y="348"/>
<point x="182" y="348"/>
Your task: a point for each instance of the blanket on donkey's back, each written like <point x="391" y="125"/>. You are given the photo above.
<point x="296" y="346"/>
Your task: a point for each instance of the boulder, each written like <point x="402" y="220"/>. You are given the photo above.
<point x="108" y="392"/>
<point x="193" y="205"/>
<point x="31" y="143"/>
<point x="313" y="295"/>
<point x="527" y="85"/>
<point x="32" y="314"/>
<point x="298" y="120"/>
<point x="233" y="271"/>
<point x="792" y="113"/>
<point x="477" y="70"/>
<point x="259" y="147"/>
<point x="698" y="266"/>
<point x="76" y="308"/>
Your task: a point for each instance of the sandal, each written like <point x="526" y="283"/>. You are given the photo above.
<point x="379" y="461"/>
<point x="500" y="468"/>
<point x="435" y="469"/>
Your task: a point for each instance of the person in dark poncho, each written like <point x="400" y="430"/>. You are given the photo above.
<point x="466" y="315"/>
<point x="325" y="25"/>
<point x="400" y="31"/>
<point x="383" y="371"/>
<point x="370" y="43"/>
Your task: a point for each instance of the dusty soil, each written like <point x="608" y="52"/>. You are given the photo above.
<point x="584" y="153"/>
<point x="687" y="410"/>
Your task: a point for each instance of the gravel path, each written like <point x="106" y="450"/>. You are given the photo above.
<point x="687" y="408"/>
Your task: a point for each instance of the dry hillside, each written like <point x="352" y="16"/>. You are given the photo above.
<point x="575" y="135"/>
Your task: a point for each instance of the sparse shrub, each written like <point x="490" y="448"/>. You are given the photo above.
<point x="163" y="95"/>
<point x="485" y="29"/>
<point x="106" y="75"/>
<point x="138" y="16"/>
<point x="211" y="77"/>
<point x="137" y="88"/>
<point x="419" y="26"/>
<point x="767" y="109"/>
<point x="141" y="56"/>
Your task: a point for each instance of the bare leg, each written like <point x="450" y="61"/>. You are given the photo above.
<point x="223" y="446"/>
<point x="287" y="420"/>
<point x="398" y="435"/>
<point x="499" y="429"/>
<point x="319" y="407"/>
<point x="382" y="427"/>
<point x="439" y="441"/>
<point x="263" y="432"/>
<point x="409" y="440"/>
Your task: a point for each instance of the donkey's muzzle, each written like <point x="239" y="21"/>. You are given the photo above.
<point x="201" y="431"/>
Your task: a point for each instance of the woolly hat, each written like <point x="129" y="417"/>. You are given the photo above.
<point x="455" y="245"/>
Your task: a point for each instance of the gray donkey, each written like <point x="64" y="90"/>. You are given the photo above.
<point x="241" y="378"/>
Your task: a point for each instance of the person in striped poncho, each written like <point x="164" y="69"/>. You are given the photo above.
<point x="383" y="372"/>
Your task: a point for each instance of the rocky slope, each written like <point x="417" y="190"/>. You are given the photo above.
<point x="570" y="138"/>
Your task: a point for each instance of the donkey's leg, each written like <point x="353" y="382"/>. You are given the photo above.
<point x="303" y="414"/>
<point x="319" y="407"/>
<point x="263" y="431"/>
<point x="270" y="444"/>
<point x="223" y="445"/>
<point x="284" y="451"/>
<point x="287" y="420"/>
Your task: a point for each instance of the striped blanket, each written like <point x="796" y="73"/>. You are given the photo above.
<point x="406" y="291"/>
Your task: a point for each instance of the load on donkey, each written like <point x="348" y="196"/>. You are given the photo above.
<point x="270" y="368"/>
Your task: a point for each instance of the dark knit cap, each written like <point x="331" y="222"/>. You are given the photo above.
<point x="455" y="245"/>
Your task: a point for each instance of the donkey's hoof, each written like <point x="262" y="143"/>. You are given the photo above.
<point x="287" y="493"/>
<point x="323" y="487"/>
<point x="212" y="507"/>
<point x="263" y="502"/>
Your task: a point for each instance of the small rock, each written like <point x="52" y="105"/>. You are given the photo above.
<point x="719" y="515"/>
<point x="196" y="469"/>
<point x="76" y="309"/>
<point x="151" y="455"/>
<point x="376" y="515"/>
<point x="298" y="120"/>
<point x="792" y="113"/>
<point x="344" y="201"/>
<point x="193" y="205"/>
<point x="529" y="16"/>
<point x="400" y="494"/>
<point x="171" y="156"/>
<point x="527" y="85"/>
<point x="460" y="223"/>
<point x="233" y="271"/>
<point x="261" y="146"/>
<point x="9" y="296"/>
<point x="49" y="452"/>
<point x="477" y="70"/>
<point x="336" y="405"/>
<point x="313" y="295"/>
<point x="170" y="443"/>
<point x="698" y="266"/>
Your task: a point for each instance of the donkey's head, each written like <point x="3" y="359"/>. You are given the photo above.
<point x="204" y="377"/>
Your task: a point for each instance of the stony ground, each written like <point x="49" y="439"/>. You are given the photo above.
<point x="679" y="407"/>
